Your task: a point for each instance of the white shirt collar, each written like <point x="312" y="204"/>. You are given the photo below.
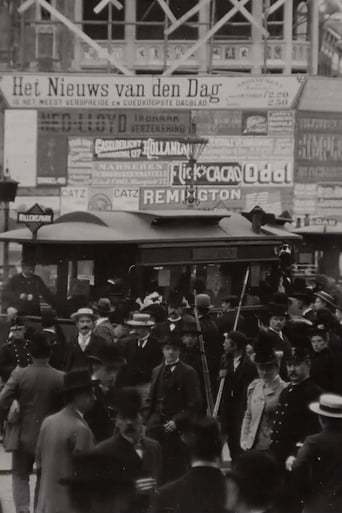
<point x="236" y="361"/>
<point x="143" y="341"/>
<point x="172" y="365"/>
<point x="79" y="413"/>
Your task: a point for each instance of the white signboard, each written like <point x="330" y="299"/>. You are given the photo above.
<point x="25" y="90"/>
<point x="20" y="146"/>
<point x="126" y="198"/>
<point x="247" y="148"/>
<point x="137" y="174"/>
<point x="73" y="199"/>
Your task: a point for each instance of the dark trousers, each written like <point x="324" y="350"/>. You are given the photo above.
<point x="22" y="467"/>
<point x="175" y="454"/>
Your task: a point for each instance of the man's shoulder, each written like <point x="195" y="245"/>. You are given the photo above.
<point x="151" y="444"/>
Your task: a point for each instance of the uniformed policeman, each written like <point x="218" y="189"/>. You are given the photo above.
<point x="16" y="351"/>
<point x="293" y="420"/>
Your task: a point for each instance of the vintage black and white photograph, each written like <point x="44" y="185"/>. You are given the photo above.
<point x="170" y="256"/>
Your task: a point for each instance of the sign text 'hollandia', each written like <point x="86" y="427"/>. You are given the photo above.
<point x="180" y="92"/>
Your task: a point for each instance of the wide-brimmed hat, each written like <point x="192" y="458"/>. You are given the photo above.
<point x="318" y="329"/>
<point x="83" y="312"/>
<point x="238" y="337"/>
<point x="265" y="356"/>
<point x="173" y="339"/>
<point x="328" y="405"/>
<point x="157" y="311"/>
<point x="188" y="326"/>
<point x="141" y="319"/>
<point x="203" y="301"/>
<point x="305" y="294"/>
<point x="78" y="379"/>
<point x="327" y="298"/>
<point x="103" y="306"/>
<point x="107" y="354"/>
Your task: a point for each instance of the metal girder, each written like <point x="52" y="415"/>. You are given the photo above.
<point x="275" y="7"/>
<point x="103" y="4"/>
<point x="238" y="7"/>
<point x="249" y="17"/>
<point x="167" y="10"/>
<point x="102" y="52"/>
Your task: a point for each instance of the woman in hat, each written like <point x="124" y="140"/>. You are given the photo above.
<point x="317" y="469"/>
<point x="262" y="399"/>
<point x="323" y="368"/>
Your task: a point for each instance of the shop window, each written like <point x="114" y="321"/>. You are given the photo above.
<point x="107" y="24"/>
<point x="151" y="20"/>
<point x="238" y="27"/>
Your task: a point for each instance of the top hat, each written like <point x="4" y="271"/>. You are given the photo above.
<point x="103" y="306"/>
<point x="129" y="403"/>
<point x="328" y="405"/>
<point x="39" y="346"/>
<point x="298" y="354"/>
<point x="176" y="299"/>
<point x="141" y="320"/>
<point x="276" y="309"/>
<point x="203" y="301"/>
<point x="107" y="354"/>
<point x="83" y="312"/>
<point x="327" y="298"/>
<point x="78" y="379"/>
<point x="265" y="355"/>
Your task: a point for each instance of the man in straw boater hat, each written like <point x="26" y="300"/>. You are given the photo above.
<point x="103" y="327"/>
<point x="106" y="364"/>
<point x="174" y="395"/>
<point x="142" y="353"/>
<point x="63" y="435"/>
<point x="85" y="342"/>
<point x="317" y="469"/>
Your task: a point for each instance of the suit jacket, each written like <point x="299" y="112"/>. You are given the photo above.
<point x="106" y="331"/>
<point x="201" y="490"/>
<point x="38" y="388"/>
<point x="140" y="362"/>
<point x="75" y="357"/>
<point x="293" y="420"/>
<point x="62" y="435"/>
<point x="323" y="370"/>
<point x="182" y="396"/>
<point x="257" y="397"/>
<point x="283" y="345"/>
<point x="124" y="452"/>
<point x="34" y="285"/>
<point x="317" y="472"/>
<point x="234" y="397"/>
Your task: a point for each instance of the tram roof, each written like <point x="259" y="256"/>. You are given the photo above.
<point x="324" y="229"/>
<point x="120" y="227"/>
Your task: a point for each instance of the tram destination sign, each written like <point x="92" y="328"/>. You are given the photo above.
<point x="35" y="217"/>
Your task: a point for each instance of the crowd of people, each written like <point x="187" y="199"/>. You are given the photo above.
<point x="117" y="417"/>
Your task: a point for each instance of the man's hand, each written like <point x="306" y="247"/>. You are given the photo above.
<point x="170" y="426"/>
<point x="145" y="485"/>
<point x="289" y="463"/>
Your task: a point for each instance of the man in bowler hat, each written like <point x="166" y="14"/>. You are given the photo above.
<point x="137" y="454"/>
<point x="106" y="363"/>
<point x="202" y="488"/>
<point x="103" y="327"/>
<point x="38" y="389"/>
<point x="61" y="436"/>
<point x="174" y="395"/>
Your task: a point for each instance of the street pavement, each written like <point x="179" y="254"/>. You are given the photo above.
<point x="6" y="482"/>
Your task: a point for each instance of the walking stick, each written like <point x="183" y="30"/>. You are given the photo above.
<point x="206" y="375"/>
<point x="223" y="378"/>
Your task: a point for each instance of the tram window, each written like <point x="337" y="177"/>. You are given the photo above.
<point x="48" y="274"/>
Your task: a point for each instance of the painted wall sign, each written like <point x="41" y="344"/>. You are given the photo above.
<point x="114" y="122"/>
<point x="149" y="149"/>
<point x="87" y="91"/>
<point x="173" y="198"/>
<point x="248" y="147"/>
<point x="126" y="174"/>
